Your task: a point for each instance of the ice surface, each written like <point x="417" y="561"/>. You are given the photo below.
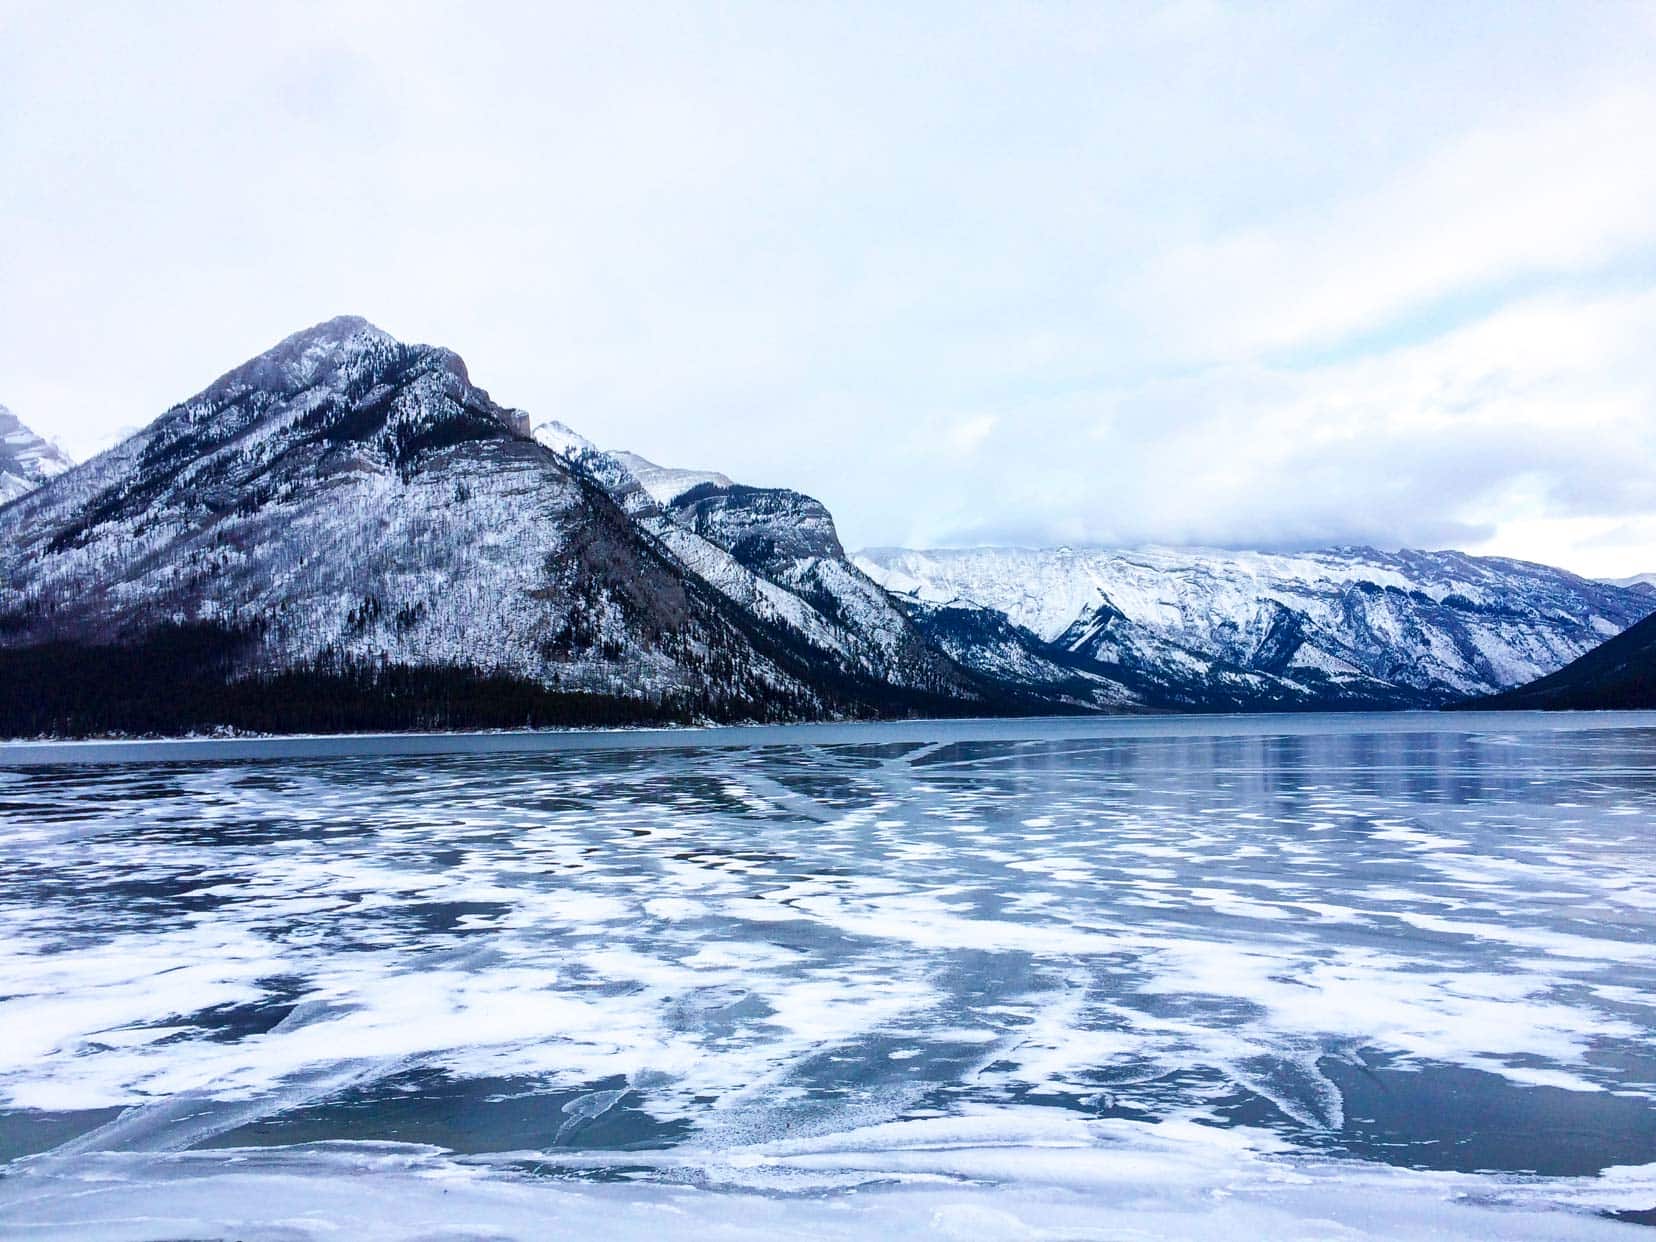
<point x="1358" y="981"/>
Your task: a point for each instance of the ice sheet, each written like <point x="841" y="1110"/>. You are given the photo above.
<point x="1324" y="973"/>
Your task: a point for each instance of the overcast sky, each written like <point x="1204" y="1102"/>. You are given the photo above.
<point x="1243" y="275"/>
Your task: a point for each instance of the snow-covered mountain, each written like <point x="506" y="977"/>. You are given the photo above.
<point x="26" y="459"/>
<point x="346" y="532"/>
<point x="1216" y="628"/>
<point x="346" y="504"/>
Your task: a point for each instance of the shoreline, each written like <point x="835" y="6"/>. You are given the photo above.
<point x="41" y="753"/>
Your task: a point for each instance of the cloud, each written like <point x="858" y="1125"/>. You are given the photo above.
<point x="1551" y="190"/>
<point x="1531" y="426"/>
<point x="1318" y="272"/>
<point x="968" y="435"/>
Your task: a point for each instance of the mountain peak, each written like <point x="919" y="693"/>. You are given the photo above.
<point x="340" y="328"/>
<point x="665" y="483"/>
<point x="561" y="439"/>
<point x="350" y="324"/>
<point x="342" y="333"/>
<point x="305" y="357"/>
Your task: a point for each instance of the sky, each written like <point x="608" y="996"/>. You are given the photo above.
<point x="1275" y="276"/>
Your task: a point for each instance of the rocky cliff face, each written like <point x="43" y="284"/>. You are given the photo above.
<point x="775" y="554"/>
<point x="26" y="459"/>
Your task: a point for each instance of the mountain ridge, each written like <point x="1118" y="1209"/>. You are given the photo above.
<point x="1346" y="624"/>
<point x="346" y="531"/>
<point x="344" y="503"/>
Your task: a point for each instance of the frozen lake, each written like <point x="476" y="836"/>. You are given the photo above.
<point x="1347" y="976"/>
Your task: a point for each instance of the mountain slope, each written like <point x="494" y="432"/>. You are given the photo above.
<point x="665" y="483"/>
<point x="1620" y="673"/>
<point x="26" y="460"/>
<point x="789" y="539"/>
<point x="346" y="503"/>
<point x="1342" y="627"/>
<point x="775" y="555"/>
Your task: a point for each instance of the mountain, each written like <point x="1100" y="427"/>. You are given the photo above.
<point x="26" y="460"/>
<point x="1645" y="583"/>
<point x="778" y="547"/>
<point x="1242" y="630"/>
<point x="347" y="532"/>
<point x="776" y="555"/>
<point x="1620" y="673"/>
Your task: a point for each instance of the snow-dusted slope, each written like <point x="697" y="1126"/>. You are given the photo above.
<point x="26" y="459"/>
<point x="1346" y="624"/>
<point x="665" y="483"/>
<point x="1619" y="675"/>
<point x="986" y="642"/>
<point x="790" y="539"/>
<point x="772" y="553"/>
<point x="346" y="500"/>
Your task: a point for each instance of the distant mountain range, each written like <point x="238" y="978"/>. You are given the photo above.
<point x="1201" y="628"/>
<point x="347" y="533"/>
<point x="26" y="459"/>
